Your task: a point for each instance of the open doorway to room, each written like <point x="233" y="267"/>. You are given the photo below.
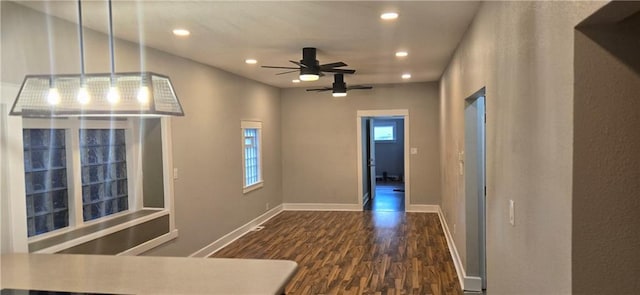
<point x="382" y="160"/>
<point x="475" y="185"/>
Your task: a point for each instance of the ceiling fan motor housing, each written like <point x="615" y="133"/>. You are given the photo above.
<point x="338" y="85"/>
<point x="309" y="58"/>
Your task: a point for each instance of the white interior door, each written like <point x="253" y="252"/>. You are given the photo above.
<point x="372" y="159"/>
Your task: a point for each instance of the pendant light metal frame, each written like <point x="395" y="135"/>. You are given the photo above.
<point x="31" y="100"/>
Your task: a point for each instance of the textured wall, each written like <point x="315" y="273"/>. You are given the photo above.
<point x="606" y="166"/>
<point x="523" y="53"/>
<point x="319" y="142"/>
<point x="206" y="142"/>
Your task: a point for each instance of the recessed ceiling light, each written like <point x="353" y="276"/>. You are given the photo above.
<point x="401" y="53"/>
<point x="295" y="81"/>
<point x="181" y="32"/>
<point x="389" y="15"/>
<point x="251" y="61"/>
<point x="406" y="76"/>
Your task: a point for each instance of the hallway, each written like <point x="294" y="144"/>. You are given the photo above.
<point x="389" y="197"/>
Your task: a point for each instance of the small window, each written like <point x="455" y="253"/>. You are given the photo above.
<point x="103" y="155"/>
<point x="384" y="132"/>
<point x="252" y="155"/>
<point x="45" y="168"/>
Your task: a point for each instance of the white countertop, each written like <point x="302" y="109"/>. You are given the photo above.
<point x="145" y="275"/>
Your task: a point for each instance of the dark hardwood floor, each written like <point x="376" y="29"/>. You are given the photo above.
<point x="389" y="197"/>
<point x="367" y="252"/>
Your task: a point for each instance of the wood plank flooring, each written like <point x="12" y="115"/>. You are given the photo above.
<point x="389" y="197"/>
<point x="355" y="252"/>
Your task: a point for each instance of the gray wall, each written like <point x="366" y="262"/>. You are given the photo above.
<point x="206" y="142"/>
<point x="523" y="53"/>
<point x="606" y="166"/>
<point x="319" y="140"/>
<point x="152" y="174"/>
<point x="390" y="155"/>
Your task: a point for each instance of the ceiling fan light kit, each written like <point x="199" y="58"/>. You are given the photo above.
<point x="96" y="95"/>
<point x="307" y="74"/>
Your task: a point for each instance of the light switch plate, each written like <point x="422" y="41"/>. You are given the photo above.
<point x="512" y="212"/>
<point x="175" y="173"/>
<point x="414" y="151"/>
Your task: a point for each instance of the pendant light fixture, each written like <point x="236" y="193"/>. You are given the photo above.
<point x="94" y="95"/>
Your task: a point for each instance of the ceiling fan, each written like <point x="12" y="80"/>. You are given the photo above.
<point x="309" y="67"/>
<point x="339" y="88"/>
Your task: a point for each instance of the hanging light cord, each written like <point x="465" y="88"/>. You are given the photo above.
<point x="81" y="38"/>
<point x="113" y="64"/>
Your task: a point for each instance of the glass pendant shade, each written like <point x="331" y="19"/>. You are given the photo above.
<point x="128" y="94"/>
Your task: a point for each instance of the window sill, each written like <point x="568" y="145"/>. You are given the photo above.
<point x="253" y="187"/>
<point x="95" y="230"/>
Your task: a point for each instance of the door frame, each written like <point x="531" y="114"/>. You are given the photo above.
<point x="398" y="113"/>
<point x="481" y="172"/>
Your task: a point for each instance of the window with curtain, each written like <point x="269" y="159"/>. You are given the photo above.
<point x="252" y="155"/>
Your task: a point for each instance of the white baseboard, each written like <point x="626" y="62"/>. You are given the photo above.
<point x="423" y="208"/>
<point x="321" y="207"/>
<point x="150" y="244"/>
<point x="467" y="283"/>
<point x="236" y="234"/>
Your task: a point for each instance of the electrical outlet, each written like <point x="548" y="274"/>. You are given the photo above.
<point x="512" y="212"/>
<point x="175" y="173"/>
<point x="267" y="206"/>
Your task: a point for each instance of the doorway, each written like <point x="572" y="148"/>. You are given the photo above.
<point x="475" y="185"/>
<point x="382" y="160"/>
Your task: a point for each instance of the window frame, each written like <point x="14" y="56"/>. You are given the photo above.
<point x="246" y="124"/>
<point x="394" y="132"/>
<point x="72" y="128"/>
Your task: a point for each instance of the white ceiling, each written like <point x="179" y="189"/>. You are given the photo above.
<point x="225" y="33"/>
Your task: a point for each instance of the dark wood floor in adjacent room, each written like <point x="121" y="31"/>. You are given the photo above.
<point x="355" y="252"/>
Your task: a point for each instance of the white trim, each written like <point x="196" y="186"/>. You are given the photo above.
<point x="423" y="208"/>
<point x="400" y="113"/>
<point x="321" y="207"/>
<point x="101" y="233"/>
<point x="467" y="283"/>
<point x="248" y="124"/>
<point x="253" y="187"/>
<point x="150" y="244"/>
<point x="16" y="211"/>
<point x="236" y="234"/>
<point x="167" y="169"/>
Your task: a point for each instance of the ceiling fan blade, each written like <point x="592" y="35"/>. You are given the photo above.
<point x="341" y="71"/>
<point x="287" y="72"/>
<point x="275" y="67"/>
<point x="359" y="87"/>
<point x="320" y="89"/>
<point x="333" y="65"/>
<point x="299" y="64"/>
